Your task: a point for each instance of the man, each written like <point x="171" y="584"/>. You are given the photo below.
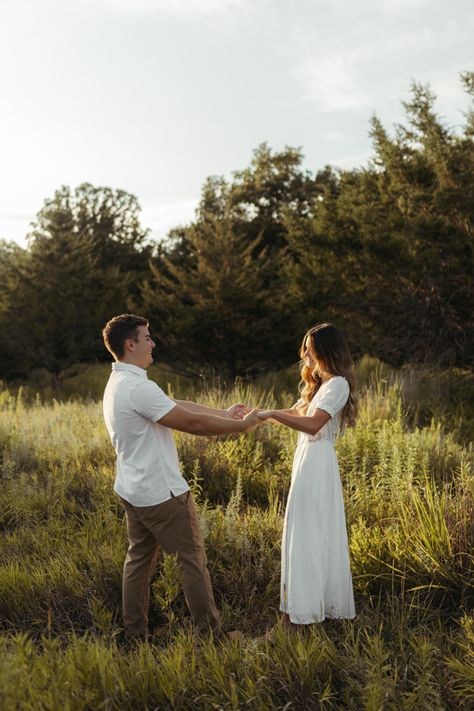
<point x="159" y="507"/>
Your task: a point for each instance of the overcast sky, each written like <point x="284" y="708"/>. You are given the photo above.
<point x="153" y="96"/>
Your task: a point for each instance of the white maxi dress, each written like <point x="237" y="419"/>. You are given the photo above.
<point x="316" y="579"/>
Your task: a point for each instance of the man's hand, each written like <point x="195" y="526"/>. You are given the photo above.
<point x="238" y="411"/>
<point x="252" y="421"/>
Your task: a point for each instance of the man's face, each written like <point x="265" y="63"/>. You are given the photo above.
<point x="141" y="349"/>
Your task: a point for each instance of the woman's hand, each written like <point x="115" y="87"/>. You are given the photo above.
<point x="267" y="416"/>
<point x="238" y="411"/>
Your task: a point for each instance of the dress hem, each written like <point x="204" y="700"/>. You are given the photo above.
<point x="316" y="620"/>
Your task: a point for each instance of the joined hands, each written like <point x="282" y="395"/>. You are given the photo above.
<point x="239" y="411"/>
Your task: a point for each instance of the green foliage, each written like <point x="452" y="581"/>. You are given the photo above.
<point x="385" y="251"/>
<point x="13" y="262"/>
<point x="167" y="588"/>
<point x="205" y="308"/>
<point x="86" y="255"/>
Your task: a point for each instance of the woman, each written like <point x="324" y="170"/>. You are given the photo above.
<point x="316" y="579"/>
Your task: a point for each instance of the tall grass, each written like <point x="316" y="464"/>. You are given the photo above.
<point x="409" y="494"/>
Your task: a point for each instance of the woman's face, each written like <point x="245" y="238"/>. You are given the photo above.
<point x="309" y="354"/>
<point x="310" y="358"/>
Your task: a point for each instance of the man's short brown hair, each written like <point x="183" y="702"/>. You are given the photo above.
<point x="119" y="329"/>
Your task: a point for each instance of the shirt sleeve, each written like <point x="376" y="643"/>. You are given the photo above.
<point x="149" y="400"/>
<point x="335" y="396"/>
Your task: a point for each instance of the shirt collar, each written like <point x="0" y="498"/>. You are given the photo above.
<point x="129" y="368"/>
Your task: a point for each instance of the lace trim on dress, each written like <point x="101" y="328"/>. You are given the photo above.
<point x="329" y="437"/>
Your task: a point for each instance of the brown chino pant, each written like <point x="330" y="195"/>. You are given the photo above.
<point x="174" y="527"/>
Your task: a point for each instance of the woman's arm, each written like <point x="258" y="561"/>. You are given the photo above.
<point x="310" y="424"/>
<point x="291" y="411"/>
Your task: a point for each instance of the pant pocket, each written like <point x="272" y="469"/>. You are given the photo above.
<point x="182" y="498"/>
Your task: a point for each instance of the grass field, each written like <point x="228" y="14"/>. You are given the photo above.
<point x="407" y="475"/>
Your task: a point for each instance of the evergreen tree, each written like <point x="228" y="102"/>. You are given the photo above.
<point x="87" y="256"/>
<point x="385" y="252"/>
<point x="261" y="198"/>
<point x="109" y="219"/>
<point x="390" y="246"/>
<point x="14" y="344"/>
<point x="64" y="298"/>
<point x="222" y="312"/>
<point x="271" y="191"/>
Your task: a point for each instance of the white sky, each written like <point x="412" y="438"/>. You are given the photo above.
<point x="153" y="96"/>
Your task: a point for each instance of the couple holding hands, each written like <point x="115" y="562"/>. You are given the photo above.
<point x="316" y="580"/>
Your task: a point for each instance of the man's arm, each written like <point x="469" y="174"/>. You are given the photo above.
<point x="202" y="409"/>
<point x="179" y="418"/>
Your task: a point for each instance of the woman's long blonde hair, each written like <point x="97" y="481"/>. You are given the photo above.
<point x="331" y="350"/>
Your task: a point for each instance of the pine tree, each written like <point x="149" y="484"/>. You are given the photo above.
<point x="221" y="312"/>
<point x="388" y="256"/>
<point x="77" y="276"/>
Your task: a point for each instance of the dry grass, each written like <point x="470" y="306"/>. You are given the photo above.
<point x="409" y="502"/>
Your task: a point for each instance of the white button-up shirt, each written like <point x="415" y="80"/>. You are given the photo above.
<point x="147" y="461"/>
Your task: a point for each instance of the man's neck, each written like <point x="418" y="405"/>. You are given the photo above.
<point x="130" y="362"/>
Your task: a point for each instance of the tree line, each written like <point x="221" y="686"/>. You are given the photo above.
<point x="384" y="251"/>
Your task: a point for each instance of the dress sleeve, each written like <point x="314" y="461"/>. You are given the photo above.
<point x="149" y="400"/>
<point x="335" y="396"/>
